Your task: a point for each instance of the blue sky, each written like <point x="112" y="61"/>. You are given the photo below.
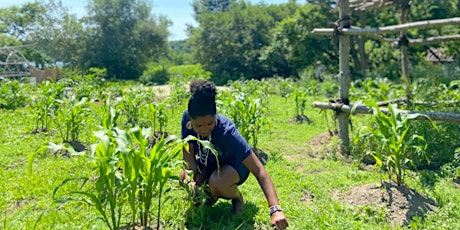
<point x="180" y="12"/>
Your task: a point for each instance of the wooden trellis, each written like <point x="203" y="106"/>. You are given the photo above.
<point x="13" y="63"/>
<point x="344" y="30"/>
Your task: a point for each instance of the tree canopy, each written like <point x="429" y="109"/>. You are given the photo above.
<point x="124" y="36"/>
<point x="119" y="35"/>
<point x="233" y="39"/>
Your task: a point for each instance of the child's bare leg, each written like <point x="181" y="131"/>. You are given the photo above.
<point x="224" y="184"/>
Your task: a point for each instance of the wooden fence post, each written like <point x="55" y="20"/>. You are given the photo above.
<point x="344" y="62"/>
<point x="404" y="44"/>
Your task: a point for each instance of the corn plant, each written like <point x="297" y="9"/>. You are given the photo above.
<point x="146" y="170"/>
<point x="130" y="105"/>
<point x="281" y="86"/>
<point x="13" y="94"/>
<point x="108" y="113"/>
<point x="158" y="111"/>
<point x="398" y="146"/>
<point x="129" y="172"/>
<point x="70" y="119"/>
<point x="106" y="195"/>
<point x="253" y="88"/>
<point x="379" y="89"/>
<point x="45" y="105"/>
<point x="300" y="97"/>
<point x="178" y="93"/>
<point x="248" y="113"/>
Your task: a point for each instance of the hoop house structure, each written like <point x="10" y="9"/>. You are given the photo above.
<point x="13" y="63"/>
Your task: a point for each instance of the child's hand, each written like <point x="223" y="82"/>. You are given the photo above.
<point x="279" y="220"/>
<point x="198" y="178"/>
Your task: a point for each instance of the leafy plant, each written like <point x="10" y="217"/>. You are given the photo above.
<point x="145" y="170"/>
<point x="13" y="94"/>
<point x="158" y="110"/>
<point x="280" y="86"/>
<point x="300" y="98"/>
<point x="398" y="147"/>
<point x="156" y="74"/>
<point x="45" y="105"/>
<point x="130" y="105"/>
<point x="107" y="195"/>
<point x="248" y="113"/>
<point x="379" y="89"/>
<point x="70" y="118"/>
<point x="131" y="171"/>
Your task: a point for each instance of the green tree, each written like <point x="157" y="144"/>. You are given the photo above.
<point x="203" y="6"/>
<point x="49" y="35"/>
<point x="294" y="47"/>
<point x="17" y="21"/>
<point x="229" y="43"/>
<point x="181" y="53"/>
<point x="123" y="37"/>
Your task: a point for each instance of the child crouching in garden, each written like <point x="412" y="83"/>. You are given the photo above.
<point x="235" y="157"/>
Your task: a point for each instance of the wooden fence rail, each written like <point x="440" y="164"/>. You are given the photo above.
<point x="362" y="109"/>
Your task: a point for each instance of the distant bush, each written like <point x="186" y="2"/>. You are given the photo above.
<point x="155" y="74"/>
<point x="189" y="72"/>
<point x="13" y="94"/>
<point x="160" y="75"/>
<point x="436" y="73"/>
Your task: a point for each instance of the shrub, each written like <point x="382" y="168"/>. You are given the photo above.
<point x="155" y="74"/>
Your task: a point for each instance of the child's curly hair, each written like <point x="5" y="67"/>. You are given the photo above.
<point x="203" y="99"/>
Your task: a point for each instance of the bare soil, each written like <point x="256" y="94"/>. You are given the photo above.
<point x="301" y="119"/>
<point x="401" y="202"/>
<point x="163" y="91"/>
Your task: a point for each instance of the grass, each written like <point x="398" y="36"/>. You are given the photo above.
<point x="304" y="183"/>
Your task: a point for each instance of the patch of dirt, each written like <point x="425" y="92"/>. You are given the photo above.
<point x="457" y="182"/>
<point x="39" y="130"/>
<point x="319" y="147"/>
<point x="301" y="119"/>
<point x="78" y="146"/>
<point x="163" y="91"/>
<point x="316" y="146"/>
<point x="402" y="202"/>
<point x="157" y="135"/>
<point x="322" y="139"/>
<point x="263" y="157"/>
<point x="307" y="197"/>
